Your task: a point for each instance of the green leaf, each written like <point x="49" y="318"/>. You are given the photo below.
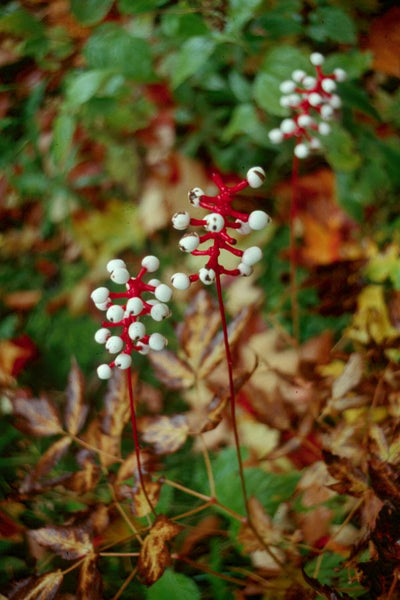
<point x="245" y="120"/>
<point x="355" y="97"/>
<point x="267" y="94"/>
<point x="193" y="55"/>
<point x="173" y="585"/>
<point x="111" y="47"/>
<point x="90" y="12"/>
<point x="63" y="131"/>
<point x="239" y="13"/>
<point x="135" y="7"/>
<point x="331" y="23"/>
<point x="20" y="22"/>
<point x="175" y="25"/>
<point x="340" y="149"/>
<point x="354" y="62"/>
<point x="84" y="86"/>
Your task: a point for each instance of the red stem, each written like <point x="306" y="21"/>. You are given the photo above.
<point x="293" y="215"/>
<point x="136" y="439"/>
<point x="231" y="388"/>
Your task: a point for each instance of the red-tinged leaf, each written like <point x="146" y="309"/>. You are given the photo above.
<point x="154" y="554"/>
<point x="34" y="480"/>
<point x="166" y="434"/>
<point x="86" y="479"/>
<point x="214" y="353"/>
<point x="44" y="587"/>
<point x="36" y="416"/>
<point x="325" y="590"/>
<point x="90" y="583"/>
<point x="75" y="410"/>
<point x="116" y="405"/>
<point x="68" y="542"/>
<point x="141" y="506"/>
<point x="200" y="324"/>
<point x="9" y="528"/>
<point x="175" y="373"/>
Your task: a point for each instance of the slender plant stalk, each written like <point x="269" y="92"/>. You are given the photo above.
<point x="136" y="440"/>
<point x="293" y="215"/>
<point x="231" y="391"/>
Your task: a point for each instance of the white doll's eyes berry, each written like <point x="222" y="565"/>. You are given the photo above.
<point x="181" y="220"/>
<point x="102" y="335"/>
<point x="136" y="331"/>
<point x="115" y="313"/>
<point x="163" y="292"/>
<point x="100" y="295"/>
<point x="123" y="361"/>
<point x="180" y="281"/>
<point x="207" y="276"/>
<point x="104" y="372"/>
<point x="134" y="306"/>
<point x="114" y="344"/>
<point x="251" y="256"/>
<point x="120" y="275"/>
<point x="159" y="311"/>
<point x="195" y="195"/>
<point x="157" y="342"/>
<point x="258" y="219"/>
<point x="151" y="263"/>
<point x="116" y="263"/>
<point x="214" y="222"/>
<point x="255" y="177"/>
<point x="189" y="242"/>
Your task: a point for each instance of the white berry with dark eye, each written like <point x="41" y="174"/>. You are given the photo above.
<point x="115" y="313"/>
<point x="214" y="222"/>
<point x="195" y="195"/>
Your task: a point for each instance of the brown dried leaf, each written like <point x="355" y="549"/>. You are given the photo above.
<point x="75" y="410"/>
<point x="351" y="480"/>
<point x="154" y="554"/>
<point x="36" y="416"/>
<point x="175" y="373"/>
<point x="350" y="378"/>
<point x="33" y="481"/>
<point x="116" y="402"/>
<point x="109" y="446"/>
<point x="215" y="413"/>
<point x="208" y="526"/>
<point x="44" y="587"/>
<point x="141" y="507"/>
<point x="68" y="542"/>
<point x="325" y="590"/>
<point x="90" y="583"/>
<point x="84" y="480"/>
<point x="201" y="323"/>
<point x="269" y="532"/>
<point x="385" y="480"/>
<point x="167" y="434"/>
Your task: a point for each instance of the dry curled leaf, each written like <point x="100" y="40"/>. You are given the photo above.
<point x="68" y="542"/>
<point x="87" y="477"/>
<point x="175" y="373"/>
<point x="36" y="416"/>
<point x="75" y="410"/>
<point x="44" y="587"/>
<point x="90" y="583"/>
<point x="141" y="506"/>
<point x="166" y="434"/>
<point x="325" y="590"/>
<point x="34" y="480"/>
<point x="154" y="554"/>
<point x="351" y="479"/>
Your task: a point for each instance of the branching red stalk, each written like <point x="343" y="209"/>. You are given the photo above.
<point x="136" y="440"/>
<point x="293" y="215"/>
<point x="231" y="389"/>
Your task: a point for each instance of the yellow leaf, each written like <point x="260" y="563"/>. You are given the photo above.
<point x="154" y="554"/>
<point x="371" y="322"/>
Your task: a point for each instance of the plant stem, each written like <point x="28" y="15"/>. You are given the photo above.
<point x="293" y="215"/>
<point x="231" y="390"/>
<point x="136" y="440"/>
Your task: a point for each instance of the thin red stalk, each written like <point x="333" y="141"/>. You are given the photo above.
<point x="136" y="439"/>
<point x="231" y="388"/>
<point x="293" y="215"/>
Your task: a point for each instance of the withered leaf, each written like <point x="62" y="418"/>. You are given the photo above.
<point x="68" y="542"/>
<point x="109" y="446"/>
<point x="350" y="378"/>
<point x="140" y="505"/>
<point x="90" y="583"/>
<point x="36" y="416"/>
<point x="325" y="590"/>
<point x="165" y="433"/>
<point x="44" y="587"/>
<point x="351" y="480"/>
<point x="116" y="405"/>
<point x="385" y="480"/>
<point x="75" y="410"/>
<point x="154" y="554"/>
<point x="34" y="479"/>
<point x="215" y="413"/>
<point x="175" y="373"/>
<point x="200" y="324"/>
<point x="84" y="480"/>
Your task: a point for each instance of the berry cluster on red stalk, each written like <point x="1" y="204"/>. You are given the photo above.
<point x="216" y="223"/>
<point x="133" y="337"/>
<point x="313" y="102"/>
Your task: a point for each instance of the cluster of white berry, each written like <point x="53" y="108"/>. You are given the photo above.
<point x="127" y="315"/>
<point x="313" y="102"/>
<point x="221" y="218"/>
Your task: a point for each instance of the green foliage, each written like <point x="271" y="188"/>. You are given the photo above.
<point x="174" y="584"/>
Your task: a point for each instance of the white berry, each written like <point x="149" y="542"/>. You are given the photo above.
<point x="104" y="371"/>
<point x="315" y="99"/>
<point x="298" y="75"/>
<point x="214" y="222"/>
<point x="245" y="270"/>
<point x="157" y="342"/>
<point x="255" y="177"/>
<point x="287" y="87"/>
<point x="115" y="313"/>
<point x="181" y="220"/>
<point x="315" y="144"/>
<point x="324" y="129"/>
<point x="163" y="292"/>
<point x="309" y="82"/>
<point x="305" y="121"/>
<point x="275" y="136"/>
<point x="207" y="276"/>
<point x="150" y="263"/>
<point x="340" y="74"/>
<point x="100" y="295"/>
<point x="316" y="59"/>
<point x="326" y="111"/>
<point x="136" y="330"/>
<point x="123" y="361"/>
<point x="180" y="281"/>
<point x="189" y="242"/>
<point x="103" y="305"/>
<point x="258" y="219"/>
<point x="120" y="275"/>
<point x="301" y="151"/>
<point x="335" y="101"/>
<point x="134" y="306"/>
<point x="244" y="228"/>
<point x="114" y="344"/>
<point x="195" y="195"/>
<point x="159" y="311"/>
<point x="116" y="263"/>
<point x="288" y="126"/>
<point x="328" y="85"/>
<point x="251" y="255"/>
<point x="144" y="348"/>
<point x="102" y="335"/>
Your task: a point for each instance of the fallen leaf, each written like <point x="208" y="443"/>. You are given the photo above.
<point x="68" y="542"/>
<point x="23" y="299"/>
<point x="44" y="587"/>
<point x="154" y="554"/>
<point x="36" y="416"/>
<point x="350" y="378"/>
<point x="325" y="590"/>
<point x="351" y="479"/>
<point x="90" y="583"/>
<point x="166" y="433"/>
<point x="371" y="322"/>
